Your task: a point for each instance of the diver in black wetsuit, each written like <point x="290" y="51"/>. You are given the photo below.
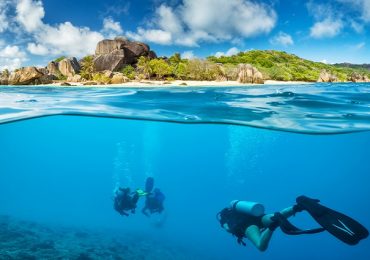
<point x="125" y="200"/>
<point x="246" y="219"/>
<point x="154" y="202"/>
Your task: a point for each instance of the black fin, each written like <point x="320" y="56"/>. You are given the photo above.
<point x="290" y="229"/>
<point x="339" y="225"/>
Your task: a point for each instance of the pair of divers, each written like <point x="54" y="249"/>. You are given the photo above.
<point x="125" y="201"/>
<point x="245" y="219"/>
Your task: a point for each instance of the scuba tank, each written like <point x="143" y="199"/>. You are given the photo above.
<point x="149" y="185"/>
<point x="248" y="207"/>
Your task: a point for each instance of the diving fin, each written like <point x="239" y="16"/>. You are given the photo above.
<point x="339" y="225"/>
<point x="149" y="184"/>
<point x="288" y="228"/>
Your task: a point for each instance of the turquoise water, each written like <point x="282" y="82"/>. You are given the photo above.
<point x="61" y="170"/>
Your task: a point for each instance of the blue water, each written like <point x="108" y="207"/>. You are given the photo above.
<point x="62" y="169"/>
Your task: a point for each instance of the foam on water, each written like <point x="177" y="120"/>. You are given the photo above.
<point x="314" y="108"/>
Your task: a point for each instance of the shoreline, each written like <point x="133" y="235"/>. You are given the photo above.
<point x="178" y="83"/>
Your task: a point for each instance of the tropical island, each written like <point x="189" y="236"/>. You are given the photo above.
<point x="121" y="61"/>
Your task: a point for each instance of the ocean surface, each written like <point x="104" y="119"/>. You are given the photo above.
<point x="63" y="152"/>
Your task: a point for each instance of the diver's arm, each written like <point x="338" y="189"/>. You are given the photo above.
<point x="259" y="239"/>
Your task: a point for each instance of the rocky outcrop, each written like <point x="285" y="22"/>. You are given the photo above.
<point x="29" y="76"/>
<point x="249" y="74"/>
<point x="114" y="54"/>
<point x="325" y="76"/>
<point x="4" y="81"/>
<point x="75" y="78"/>
<point x="69" y="67"/>
<point x="113" y="61"/>
<point x="119" y="78"/>
<point x="4" y="76"/>
<point x="356" y="77"/>
<point x="53" y="69"/>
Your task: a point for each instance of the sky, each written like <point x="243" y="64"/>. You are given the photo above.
<point x="34" y="32"/>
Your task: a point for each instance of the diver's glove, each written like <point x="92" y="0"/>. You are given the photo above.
<point x="140" y="192"/>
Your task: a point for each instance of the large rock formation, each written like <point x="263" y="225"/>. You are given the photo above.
<point x="69" y="67"/>
<point x="75" y="78"/>
<point x="356" y="77"/>
<point x="118" y="78"/>
<point x="114" y="54"/>
<point x="29" y="76"/>
<point x="53" y="69"/>
<point x="249" y="74"/>
<point x="4" y="76"/>
<point x="325" y="76"/>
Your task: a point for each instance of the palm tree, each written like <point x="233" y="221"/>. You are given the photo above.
<point x="87" y="67"/>
<point x="144" y="67"/>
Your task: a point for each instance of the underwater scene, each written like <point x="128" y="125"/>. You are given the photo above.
<point x="67" y="154"/>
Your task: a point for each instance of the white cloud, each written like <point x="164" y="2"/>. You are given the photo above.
<point x="232" y="51"/>
<point x="195" y="21"/>
<point x="357" y="27"/>
<point x="3" y="17"/>
<point x="188" y="55"/>
<point x="327" y="28"/>
<point x="157" y="36"/>
<point x="61" y="39"/>
<point x="168" y="20"/>
<point x="30" y="14"/>
<point x="11" y="57"/>
<point x="282" y="39"/>
<point x="66" y="39"/>
<point x="111" y="28"/>
<point x="361" y="6"/>
<point x="37" y="49"/>
<point x="329" y="20"/>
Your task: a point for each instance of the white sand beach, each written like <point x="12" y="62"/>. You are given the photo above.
<point x="181" y="83"/>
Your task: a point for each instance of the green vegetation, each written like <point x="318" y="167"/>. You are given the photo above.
<point x="160" y="68"/>
<point x="60" y="76"/>
<point x="275" y="65"/>
<point x="176" y="68"/>
<point x="129" y="72"/>
<point x="143" y="68"/>
<point x="5" y="73"/>
<point x="87" y="68"/>
<point x="279" y="65"/>
<point x="100" y="77"/>
<point x="60" y="58"/>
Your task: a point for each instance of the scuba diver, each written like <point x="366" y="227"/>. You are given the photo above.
<point x="154" y="199"/>
<point x="125" y="200"/>
<point x="154" y="202"/>
<point x="245" y="219"/>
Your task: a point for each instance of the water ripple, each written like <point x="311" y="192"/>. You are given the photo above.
<point x="314" y="109"/>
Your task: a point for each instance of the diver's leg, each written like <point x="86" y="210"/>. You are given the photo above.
<point x="259" y="239"/>
<point x="144" y="211"/>
<point x="288" y="212"/>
